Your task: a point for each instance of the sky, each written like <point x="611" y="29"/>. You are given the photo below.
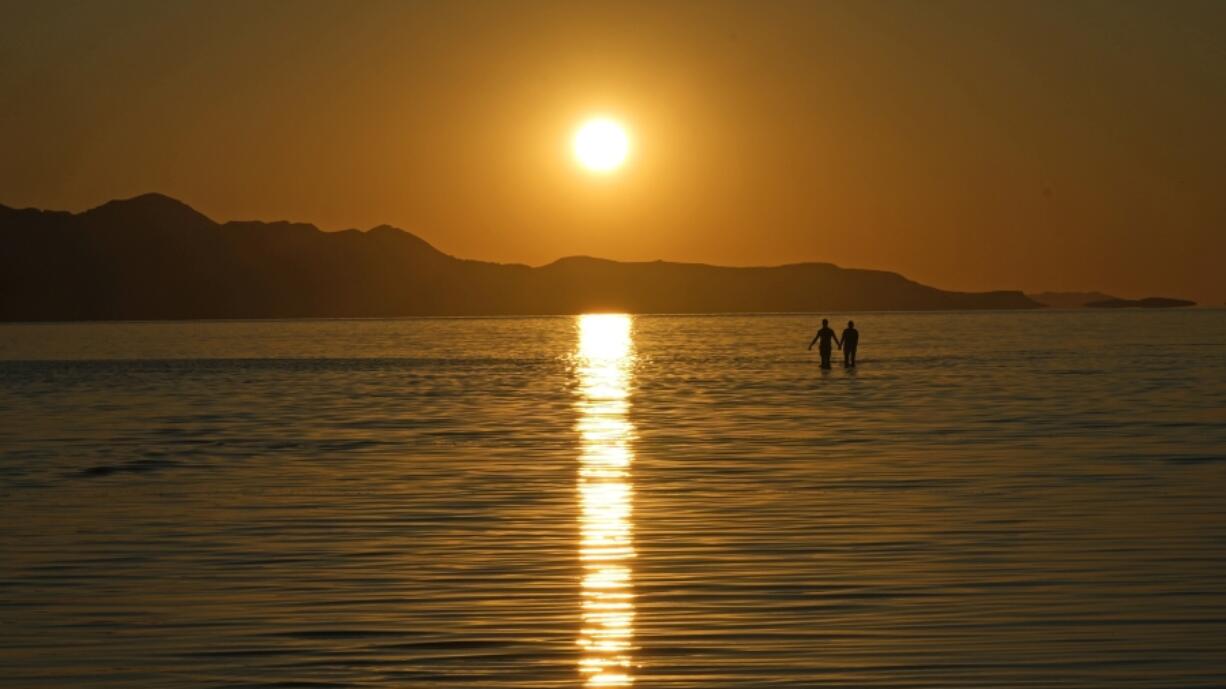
<point x="1070" y="145"/>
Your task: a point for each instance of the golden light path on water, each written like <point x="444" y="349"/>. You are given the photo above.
<point x="605" y="359"/>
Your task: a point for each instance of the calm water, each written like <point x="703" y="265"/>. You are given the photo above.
<point x="990" y="500"/>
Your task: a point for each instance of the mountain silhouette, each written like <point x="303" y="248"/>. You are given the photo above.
<point x="153" y="257"/>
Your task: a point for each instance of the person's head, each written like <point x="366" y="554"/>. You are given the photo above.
<point x="825" y="322"/>
<point x="851" y="324"/>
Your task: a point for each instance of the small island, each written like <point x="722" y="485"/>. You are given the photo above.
<point x="1068" y="300"/>
<point x="1146" y="303"/>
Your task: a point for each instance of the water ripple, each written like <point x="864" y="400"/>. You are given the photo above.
<point x="436" y="503"/>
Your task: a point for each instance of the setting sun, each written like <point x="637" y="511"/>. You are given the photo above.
<point x="601" y="145"/>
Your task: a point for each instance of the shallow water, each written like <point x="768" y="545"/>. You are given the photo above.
<point x="990" y="499"/>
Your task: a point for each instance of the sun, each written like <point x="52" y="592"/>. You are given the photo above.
<point x="601" y="145"/>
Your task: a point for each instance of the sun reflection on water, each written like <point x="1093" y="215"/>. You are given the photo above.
<point x="606" y="540"/>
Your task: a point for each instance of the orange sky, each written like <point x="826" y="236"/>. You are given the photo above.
<point x="968" y="145"/>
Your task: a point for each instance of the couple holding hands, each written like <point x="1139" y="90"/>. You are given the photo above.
<point x="851" y="338"/>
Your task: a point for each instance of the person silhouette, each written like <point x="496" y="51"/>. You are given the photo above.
<point x="851" y="338"/>
<point x="826" y="335"/>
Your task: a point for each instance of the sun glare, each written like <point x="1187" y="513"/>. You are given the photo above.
<point x="601" y="145"/>
<point x="605" y="366"/>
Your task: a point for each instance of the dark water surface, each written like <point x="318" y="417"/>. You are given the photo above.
<point x="989" y="500"/>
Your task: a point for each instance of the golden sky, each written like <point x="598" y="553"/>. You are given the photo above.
<point x="969" y="145"/>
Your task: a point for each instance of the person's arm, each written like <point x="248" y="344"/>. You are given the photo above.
<point x="837" y="342"/>
<point x="811" y="342"/>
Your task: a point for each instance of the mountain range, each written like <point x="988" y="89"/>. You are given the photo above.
<point x="153" y="257"/>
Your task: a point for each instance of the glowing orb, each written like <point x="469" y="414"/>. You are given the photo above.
<point x="601" y="145"/>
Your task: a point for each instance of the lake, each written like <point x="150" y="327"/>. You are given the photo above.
<point x="1004" y="499"/>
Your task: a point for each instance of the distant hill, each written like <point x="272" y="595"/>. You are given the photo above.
<point x="1146" y="303"/>
<point x="152" y="257"/>
<point x="1068" y="300"/>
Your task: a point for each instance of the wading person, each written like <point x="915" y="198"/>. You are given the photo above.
<point x="851" y="337"/>
<point x="826" y="337"/>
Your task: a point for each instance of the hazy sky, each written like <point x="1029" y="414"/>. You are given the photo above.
<point x="969" y="145"/>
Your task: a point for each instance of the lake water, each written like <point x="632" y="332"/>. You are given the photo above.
<point x="989" y="500"/>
